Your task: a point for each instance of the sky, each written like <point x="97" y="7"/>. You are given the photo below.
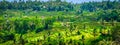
<point x="73" y="1"/>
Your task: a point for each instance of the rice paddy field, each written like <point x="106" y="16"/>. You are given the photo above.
<point x="58" y="22"/>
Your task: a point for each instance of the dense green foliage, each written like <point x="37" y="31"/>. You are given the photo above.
<point x="37" y="5"/>
<point x="59" y="23"/>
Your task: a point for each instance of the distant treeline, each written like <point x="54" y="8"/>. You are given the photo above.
<point x="58" y="5"/>
<point x="105" y="10"/>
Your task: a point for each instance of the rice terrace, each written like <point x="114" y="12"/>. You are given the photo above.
<point x="59" y="22"/>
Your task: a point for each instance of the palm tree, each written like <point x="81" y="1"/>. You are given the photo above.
<point x="83" y="38"/>
<point x="22" y="40"/>
<point x="78" y="32"/>
<point x="94" y="33"/>
<point x="84" y="26"/>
